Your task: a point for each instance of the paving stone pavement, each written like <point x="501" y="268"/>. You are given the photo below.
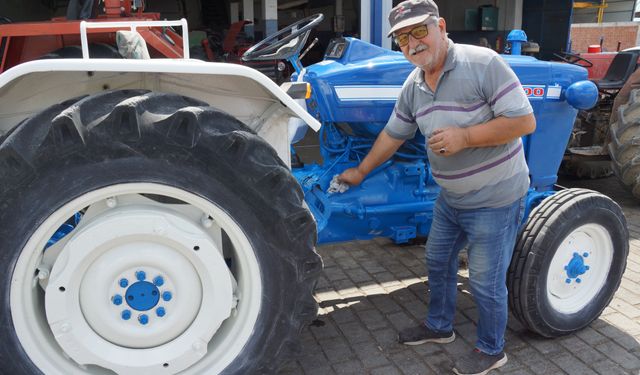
<point x="370" y="289"/>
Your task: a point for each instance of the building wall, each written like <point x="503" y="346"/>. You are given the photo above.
<point x="616" y="11"/>
<point x="583" y="35"/>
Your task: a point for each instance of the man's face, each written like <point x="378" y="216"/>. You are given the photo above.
<point x="424" y="52"/>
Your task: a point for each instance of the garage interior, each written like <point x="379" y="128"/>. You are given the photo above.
<point x="480" y="22"/>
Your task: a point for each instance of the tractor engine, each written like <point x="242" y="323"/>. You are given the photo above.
<point x="354" y="100"/>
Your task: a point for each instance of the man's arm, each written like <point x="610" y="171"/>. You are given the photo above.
<point x="384" y="147"/>
<point x="498" y="131"/>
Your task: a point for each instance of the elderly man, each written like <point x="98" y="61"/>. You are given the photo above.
<point x="472" y="109"/>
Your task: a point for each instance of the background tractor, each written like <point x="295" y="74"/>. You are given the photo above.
<point x="605" y="138"/>
<point x="151" y="223"/>
<point x="59" y="37"/>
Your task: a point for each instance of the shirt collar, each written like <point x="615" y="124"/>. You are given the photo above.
<point x="449" y="63"/>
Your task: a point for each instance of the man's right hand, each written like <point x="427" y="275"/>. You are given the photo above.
<point x="351" y="176"/>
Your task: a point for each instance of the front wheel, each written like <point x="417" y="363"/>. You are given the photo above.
<point x="568" y="262"/>
<point x="148" y="233"/>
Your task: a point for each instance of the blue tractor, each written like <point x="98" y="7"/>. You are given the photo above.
<point x="150" y="223"/>
<point x="572" y="249"/>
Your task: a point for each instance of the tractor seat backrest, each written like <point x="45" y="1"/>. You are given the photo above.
<point x="621" y="68"/>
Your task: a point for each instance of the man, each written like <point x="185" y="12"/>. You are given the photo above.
<point x="473" y="111"/>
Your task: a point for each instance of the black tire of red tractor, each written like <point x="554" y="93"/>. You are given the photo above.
<point x="624" y="147"/>
<point x="54" y="157"/>
<point x="548" y="225"/>
<point x="96" y="51"/>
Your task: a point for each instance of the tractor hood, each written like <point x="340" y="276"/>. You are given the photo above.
<point x="360" y="82"/>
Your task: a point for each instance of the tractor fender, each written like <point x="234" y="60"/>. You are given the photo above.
<point x="242" y="92"/>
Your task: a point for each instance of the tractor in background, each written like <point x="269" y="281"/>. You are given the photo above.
<point x="152" y="224"/>
<point x="59" y="38"/>
<point x="603" y="140"/>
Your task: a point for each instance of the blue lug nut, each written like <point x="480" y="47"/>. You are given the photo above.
<point x="568" y="281"/>
<point x="585" y="255"/>
<point x="126" y="314"/>
<point x="160" y="311"/>
<point x="141" y="275"/>
<point x="123" y="283"/>
<point x="143" y="319"/>
<point x="167" y="296"/>
<point x="158" y="281"/>
<point x="117" y="300"/>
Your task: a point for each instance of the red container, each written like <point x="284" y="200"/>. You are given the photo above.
<point x="594" y="48"/>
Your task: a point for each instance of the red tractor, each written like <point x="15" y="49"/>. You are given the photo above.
<point x="59" y="38"/>
<point x="606" y="139"/>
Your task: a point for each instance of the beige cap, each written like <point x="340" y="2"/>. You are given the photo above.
<point x="411" y="12"/>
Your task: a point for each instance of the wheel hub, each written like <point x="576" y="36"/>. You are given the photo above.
<point x="142" y="296"/>
<point x="576" y="267"/>
<point x="130" y="278"/>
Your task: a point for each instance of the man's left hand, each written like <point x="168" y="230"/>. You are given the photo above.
<point x="448" y="141"/>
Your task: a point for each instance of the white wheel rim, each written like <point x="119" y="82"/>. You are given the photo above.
<point x="206" y="322"/>
<point x="579" y="268"/>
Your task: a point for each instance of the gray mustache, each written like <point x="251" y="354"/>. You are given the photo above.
<point x="419" y="48"/>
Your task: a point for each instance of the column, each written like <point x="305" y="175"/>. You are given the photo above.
<point x="247" y="14"/>
<point x="270" y="12"/>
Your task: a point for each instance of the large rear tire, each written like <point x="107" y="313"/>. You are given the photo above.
<point x="568" y="262"/>
<point x="193" y="254"/>
<point x="624" y="147"/>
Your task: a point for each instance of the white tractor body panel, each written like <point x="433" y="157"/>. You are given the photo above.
<point x="242" y="92"/>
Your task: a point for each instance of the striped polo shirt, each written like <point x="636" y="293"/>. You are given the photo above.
<point x="476" y="86"/>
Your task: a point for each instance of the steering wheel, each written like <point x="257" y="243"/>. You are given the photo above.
<point x="285" y="43"/>
<point x="574" y="59"/>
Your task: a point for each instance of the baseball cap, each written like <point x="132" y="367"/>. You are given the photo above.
<point x="411" y="12"/>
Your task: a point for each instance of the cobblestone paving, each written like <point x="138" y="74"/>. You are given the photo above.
<point x="371" y="289"/>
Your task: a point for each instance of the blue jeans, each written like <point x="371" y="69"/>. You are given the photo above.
<point x="491" y="235"/>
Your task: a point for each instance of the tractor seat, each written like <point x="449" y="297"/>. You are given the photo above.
<point x="621" y="68"/>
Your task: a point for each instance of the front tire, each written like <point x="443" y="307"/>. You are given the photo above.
<point x="568" y="262"/>
<point x="194" y="253"/>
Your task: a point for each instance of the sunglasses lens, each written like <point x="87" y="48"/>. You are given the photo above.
<point x="419" y="32"/>
<point x="402" y="40"/>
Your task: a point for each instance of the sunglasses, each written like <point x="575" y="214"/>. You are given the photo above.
<point x="417" y="32"/>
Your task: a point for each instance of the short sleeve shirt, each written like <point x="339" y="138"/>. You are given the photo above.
<point x="476" y="86"/>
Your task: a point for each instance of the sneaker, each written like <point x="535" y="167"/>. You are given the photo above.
<point x="479" y="363"/>
<point x="421" y="334"/>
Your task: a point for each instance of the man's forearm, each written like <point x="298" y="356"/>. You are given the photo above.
<point x="384" y="147"/>
<point x="500" y="130"/>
